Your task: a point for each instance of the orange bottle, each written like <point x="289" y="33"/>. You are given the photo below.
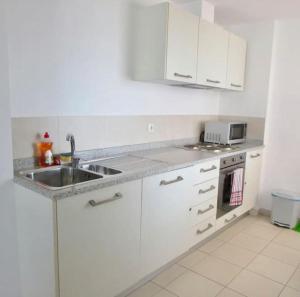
<point x="44" y="151"/>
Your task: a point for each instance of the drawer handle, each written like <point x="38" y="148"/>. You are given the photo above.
<point x="182" y="75"/>
<point x="214" y="167"/>
<point x="208" y="190"/>
<point x="200" y="212"/>
<point x="165" y="183"/>
<point x="255" y="156"/>
<point x="199" y="232"/>
<point x="213" y="81"/>
<point x="232" y="219"/>
<point x="236" y="86"/>
<point x="117" y="196"/>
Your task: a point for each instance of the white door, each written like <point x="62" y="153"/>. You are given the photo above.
<point x="165" y="219"/>
<point x="212" y="55"/>
<point x="182" y="45"/>
<point x="99" y="244"/>
<point x="252" y="179"/>
<point x="236" y="62"/>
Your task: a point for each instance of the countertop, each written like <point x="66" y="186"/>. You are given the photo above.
<point x="138" y="164"/>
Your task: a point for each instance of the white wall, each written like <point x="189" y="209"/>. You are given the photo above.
<point x="282" y="162"/>
<point x="9" y="281"/>
<point x="75" y="57"/>
<point x="253" y="101"/>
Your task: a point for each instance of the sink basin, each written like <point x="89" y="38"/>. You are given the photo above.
<point x="100" y="169"/>
<point x="60" y="177"/>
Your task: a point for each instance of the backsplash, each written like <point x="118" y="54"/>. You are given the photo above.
<point x="94" y="132"/>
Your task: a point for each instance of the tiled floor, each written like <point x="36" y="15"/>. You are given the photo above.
<point x="252" y="258"/>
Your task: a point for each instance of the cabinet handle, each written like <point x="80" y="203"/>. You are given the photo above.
<point x="208" y="190"/>
<point x="213" y="81"/>
<point x="209" y="169"/>
<point x="117" y="196"/>
<point x="255" y="156"/>
<point x="165" y="183"/>
<point x="232" y="219"/>
<point x="182" y="75"/>
<point x="199" y="232"/>
<point x="200" y="212"/>
<point x="236" y="86"/>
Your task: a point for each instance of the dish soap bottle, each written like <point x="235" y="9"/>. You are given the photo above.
<point x="44" y="148"/>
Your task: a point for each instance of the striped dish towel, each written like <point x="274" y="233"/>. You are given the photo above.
<point x="236" y="197"/>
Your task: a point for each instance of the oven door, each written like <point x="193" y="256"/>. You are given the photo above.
<point x="237" y="133"/>
<point x="225" y="187"/>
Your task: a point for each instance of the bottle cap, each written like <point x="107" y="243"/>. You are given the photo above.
<point x="46" y="135"/>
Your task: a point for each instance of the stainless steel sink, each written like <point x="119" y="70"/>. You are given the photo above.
<point x="60" y="177"/>
<point x="100" y="169"/>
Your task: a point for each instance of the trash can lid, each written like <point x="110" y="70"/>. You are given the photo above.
<point x="286" y="195"/>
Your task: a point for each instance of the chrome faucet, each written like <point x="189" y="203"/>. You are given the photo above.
<point x="75" y="160"/>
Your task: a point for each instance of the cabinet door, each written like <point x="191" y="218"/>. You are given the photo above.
<point x="212" y="55"/>
<point x="236" y="62"/>
<point x="165" y="218"/>
<point x="252" y="179"/>
<point x="99" y="245"/>
<point x="182" y="45"/>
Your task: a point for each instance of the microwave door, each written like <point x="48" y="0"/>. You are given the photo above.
<point x="237" y="132"/>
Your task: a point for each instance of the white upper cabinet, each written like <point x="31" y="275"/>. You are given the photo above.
<point x="212" y="55"/>
<point x="167" y="43"/>
<point x="236" y="63"/>
<point x="182" y="45"/>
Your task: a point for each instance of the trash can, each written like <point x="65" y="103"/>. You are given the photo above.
<point x="286" y="208"/>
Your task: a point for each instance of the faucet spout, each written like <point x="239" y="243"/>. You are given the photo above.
<point x="75" y="160"/>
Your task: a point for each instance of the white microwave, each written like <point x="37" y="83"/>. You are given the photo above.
<point x="225" y="132"/>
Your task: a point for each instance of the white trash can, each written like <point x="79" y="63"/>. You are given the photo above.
<point x="286" y="208"/>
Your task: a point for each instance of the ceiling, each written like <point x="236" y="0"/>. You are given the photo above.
<point x="245" y="11"/>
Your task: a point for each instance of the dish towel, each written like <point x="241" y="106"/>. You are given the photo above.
<point x="236" y="197"/>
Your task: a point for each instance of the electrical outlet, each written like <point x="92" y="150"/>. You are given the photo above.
<point x="151" y="128"/>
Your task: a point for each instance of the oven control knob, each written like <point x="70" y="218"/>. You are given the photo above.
<point x="241" y="157"/>
<point x="233" y="159"/>
<point x="224" y="162"/>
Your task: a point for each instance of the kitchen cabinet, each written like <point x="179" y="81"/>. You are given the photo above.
<point x="99" y="241"/>
<point x="252" y="179"/>
<point x="165" y="206"/>
<point x="212" y="55"/>
<point x="228" y="218"/>
<point x="237" y="49"/>
<point x="167" y="43"/>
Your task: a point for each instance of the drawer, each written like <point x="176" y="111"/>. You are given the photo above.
<point x="205" y="191"/>
<point x="228" y="218"/>
<point x="201" y="231"/>
<point x="206" y="171"/>
<point x="203" y="211"/>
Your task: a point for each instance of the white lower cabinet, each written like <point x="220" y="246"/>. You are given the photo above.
<point x="99" y="241"/>
<point x="165" y="207"/>
<point x="252" y="179"/>
<point x="228" y="218"/>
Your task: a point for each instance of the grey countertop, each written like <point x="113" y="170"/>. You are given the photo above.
<point x="138" y="164"/>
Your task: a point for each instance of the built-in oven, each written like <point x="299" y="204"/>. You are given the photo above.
<point x="228" y="168"/>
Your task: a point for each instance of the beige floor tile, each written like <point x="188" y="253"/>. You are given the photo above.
<point x="234" y="254"/>
<point x="288" y="238"/>
<point x="263" y="231"/>
<point x="272" y="269"/>
<point x="192" y="259"/>
<point x="194" y="285"/>
<point x="148" y="290"/>
<point x="229" y="233"/>
<point x="289" y="292"/>
<point x="164" y="293"/>
<point x="249" y="242"/>
<point x="217" y="270"/>
<point x="211" y="245"/>
<point x="229" y="293"/>
<point x="295" y="280"/>
<point x="170" y="274"/>
<point x="282" y="253"/>
<point x="254" y="285"/>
